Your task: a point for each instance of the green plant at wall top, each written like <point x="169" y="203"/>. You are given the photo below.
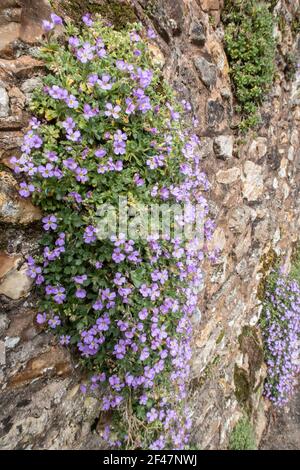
<point x="107" y="126"/>
<point x="250" y="48"/>
<point x="242" y="436"/>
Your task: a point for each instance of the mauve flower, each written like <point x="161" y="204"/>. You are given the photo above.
<point x="49" y="222"/>
<point x="41" y="318"/>
<point x="72" y="102"/>
<point x="81" y="175"/>
<point x="104" y="82"/>
<point x="56" y="19"/>
<point x="26" y="189"/>
<point x="80" y="293"/>
<point x="112" y="111"/>
<point x="87" y="19"/>
<point x="47" y="25"/>
<point x="54" y="322"/>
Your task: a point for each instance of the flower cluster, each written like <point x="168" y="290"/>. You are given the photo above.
<point x="109" y="125"/>
<point x="281" y="332"/>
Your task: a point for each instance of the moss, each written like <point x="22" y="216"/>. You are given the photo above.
<point x="220" y="337"/>
<point x="269" y="261"/>
<point x="242" y="436"/>
<point x="250" y="344"/>
<point x="242" y="389"/>
<point x="114" y="11"/>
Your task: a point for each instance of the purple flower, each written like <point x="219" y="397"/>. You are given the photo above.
<point x="46" y="171"/>
<point x="26" y="189"/>
<point x="73" y="41"/>
<point x="81" y="175"/>
<point x="85" y="53"/>
<point x="112" y="111"/>
<point x="49" y="222"/>
<point x="90" y="234"/>
<point x="87" y="19"/>
<point x="41" y="318"/>
<point x="80" y="279"/>
<point x="151" y="34"/>
<point x="80" y="293"/>
<point x="54" y="322"/>
<point x="152" y="415"/>
<point x="64" y="340"/>
<point x="59" y="295"/>
<point x="56" y="19"/>
<point x="47" y="25"/>
<point x="104" y="82"/>
<point x="100" y="153"/>
<point x="70" y="164"/>
<point x="74" y="136"/>
<point x="72" y="102"/>
<point x="89" y="112"/>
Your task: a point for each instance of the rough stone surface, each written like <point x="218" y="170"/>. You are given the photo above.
<point x="254" y="199"/>
<point x="4" y="102"/>
<point x="207" y="71"/>
<point x="223" y="146"/>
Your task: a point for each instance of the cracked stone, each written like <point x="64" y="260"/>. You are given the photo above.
<point x="223" y="146"/>
<point x="207" y="71"/>
<point x="4" y="102"/>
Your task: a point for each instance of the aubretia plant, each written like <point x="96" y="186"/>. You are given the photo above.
<point x="281" y="330"/>
<point x="106" y="126"/>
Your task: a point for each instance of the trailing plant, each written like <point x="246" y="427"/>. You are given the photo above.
<point x="280" y="324"/>
<point x="108" y="126"/>
<point x="242" y="436"/>
<point x="250" y="48"/>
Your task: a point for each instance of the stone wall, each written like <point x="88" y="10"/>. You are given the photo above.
<point x="254" y="197"/>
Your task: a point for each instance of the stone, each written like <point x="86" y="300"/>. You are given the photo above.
<point x="215" y="113"/>
<point x="223" y="146"/>
<point x="198" y="33"/>
<point x="4" y="102"/>
<point x="228" y="176"/>
<point x="33" y="13"/>
<point x="16" y="283"/>
<point x="9" y="33"/>
<point x="239" y="219"/>
<point x="9" y="15"/>
<point x="10" y="343"/>
<point x="4" y="323"/>
<point x="208" y="5"/>
<point x="207" y="71"/>
<point x="13" y="208"/>
<point x="253" y="181"/>
<point x="22" y="67"/>
<point x="55" y="361"/>
<point x="258" y="148"/>
<point x="7" y="263"/>
<point x="2" y="353"/>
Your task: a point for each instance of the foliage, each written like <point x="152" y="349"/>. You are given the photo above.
<point x="280" y="324"/>
<point x="107" y="126"/>
<point x="250" y="47"/>
<point x="242" y="436"/>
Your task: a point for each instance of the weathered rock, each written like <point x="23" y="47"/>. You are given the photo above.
<point x="54" y="362"/>
<point x="207" y="71"/>
<point x="228" y="176"/>
<point x="8" y="263"/>
<point x="13" y="208"/>
<point x="16" y="283"/>
<point x="198" y="33"/>
<point x="215" y="113"/>
<point x="223" y="146"/>
<point x="253" y="182"/>
<point x="9" y="33"/>
<point x="33" y="12"/>
<point x="4" y="103"/>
